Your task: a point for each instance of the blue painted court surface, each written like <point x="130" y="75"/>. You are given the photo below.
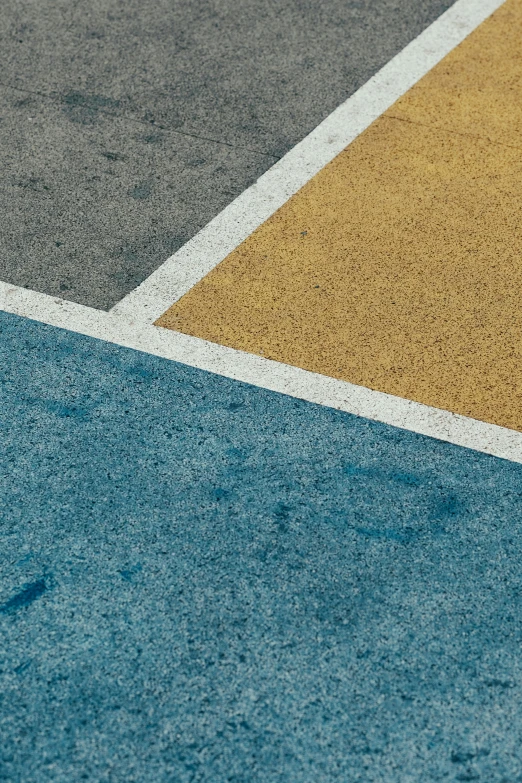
<point x="206" y="581"/>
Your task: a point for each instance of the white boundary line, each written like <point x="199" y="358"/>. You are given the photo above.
<point x="264" y="373"/>
<point x="179" y="273"/>
<point x="129" y="324"/>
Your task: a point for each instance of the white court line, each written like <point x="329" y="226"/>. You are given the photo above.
<point x="225" y="232"/>
<point x="129" y="324"/>
<point x="264" y="373"/>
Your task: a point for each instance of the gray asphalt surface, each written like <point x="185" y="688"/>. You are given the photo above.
<point x="126" y="126"/>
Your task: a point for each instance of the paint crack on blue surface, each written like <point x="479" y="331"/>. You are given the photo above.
<point x="30" y="593"/>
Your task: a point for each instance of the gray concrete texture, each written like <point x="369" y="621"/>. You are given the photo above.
<point x="126" y="126"/>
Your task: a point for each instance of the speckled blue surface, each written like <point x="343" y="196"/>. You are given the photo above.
<point x="205" y="581"/>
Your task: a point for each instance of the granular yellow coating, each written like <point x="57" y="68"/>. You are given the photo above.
<point x="399" y="266"/>
<point x="477" y="88"/>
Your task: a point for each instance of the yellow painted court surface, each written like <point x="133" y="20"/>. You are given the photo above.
<point x="399" y="266"/>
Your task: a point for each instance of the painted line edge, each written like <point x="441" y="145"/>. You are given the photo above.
<point x="179" y="273"/>
<point x="264" y="373"/>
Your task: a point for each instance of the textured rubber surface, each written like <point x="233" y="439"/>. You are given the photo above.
<point x="397" y="267"/>
<point x="205" y="581"/>
<point x="127" y="126"/>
